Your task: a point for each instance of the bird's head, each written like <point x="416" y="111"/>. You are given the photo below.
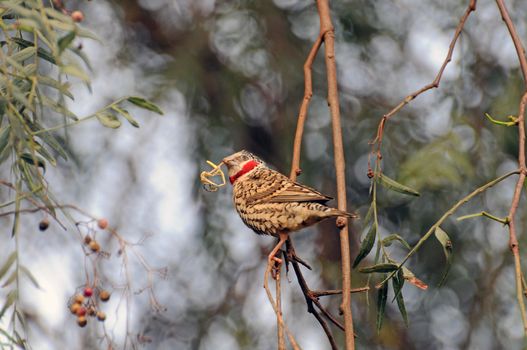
<point x="241" y="163"/>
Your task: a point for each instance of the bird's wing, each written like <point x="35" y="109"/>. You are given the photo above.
<point x="299" y="193"/>
<point x="278" y="188"/>
<point x="295" y="192"/>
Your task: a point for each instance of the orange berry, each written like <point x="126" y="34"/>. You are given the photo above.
<point x="101" y="316"/>
<point x="43" y="225"/>
<point x="94" y="246"/>
<point x="77" y="16"/>
<point x="102" y="223"/>
<point x="79" y="298"/>
<point x="88" y="292"/>
<point x="82" y="321"/>
<point x="104" y="295"/>
<point x="81" y="311"/>
<point x="74" y="308"/>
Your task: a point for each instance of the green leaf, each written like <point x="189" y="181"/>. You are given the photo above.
<point x="366" y="245"/>
<point x="395" y="237"/>
<point x="398" y="283"/>
<point x="382" y="297"/>
<point x="5" y="134"/>
<point x="34" y="160"/>
<point x="126" y="115"/>
<point x="7" y="264"/>
<point x="10" y="300"/>
<point x="369" y="214"/>
<point x="445" y="241"/>
<point x="30" y="276"/>
<point x="61" y="87"/>
<point x="24" y="54"/>
<point x="108" y="120"/>
<point x="145" y="104"/>
<point x="385" y="267"/>
<point x="45" y="153"/>
<point x="42" y="53"/>
<point x="395" y="186"/>
<point x="66" y="40"/>
<point x="76" y="72"/>
<point x="12" y="277"/>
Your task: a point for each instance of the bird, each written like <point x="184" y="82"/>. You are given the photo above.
<point x="270" y="203"/>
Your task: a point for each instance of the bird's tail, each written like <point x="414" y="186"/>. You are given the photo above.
<point x="336" y="212"/>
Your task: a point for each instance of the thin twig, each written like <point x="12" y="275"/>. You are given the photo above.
<point x="377" y="142"/>
<point x="513" y="241"/>
<point x="323" y="293"/>
<point x="302" y="115"/>
<point x="279" y="326"/>
<point x="275" y="308"/>
<point x="326" y="28"/>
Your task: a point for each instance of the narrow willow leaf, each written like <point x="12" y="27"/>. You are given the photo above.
<point x="395" y="237"/>
<point x="66" y="40"/>
<point x="382" y="297"/>
<point x="126" y="115"/>
<point x="366" y="244"/>
<point x="47" y="156"/>
<point x="4" y="139"/>
<point x="34" y="160"/>
<point x="398" y="283"/>
<point x="369" y="214"/>
<point x="445" y="241"/>
<point x="58" y="107"/>
<point x="24" y="54"/>
<point x="49" y="140"/>
<point x="7" y="335"/>
<point x="386" y="267"/>
<point x="61" y="87"/>
<point x="30" y="276"/>
<point x="12" y="277"/>
<point x="393" y="185"/>
<point x="108" y="120"/>
<point x="82" y="56"/>
<point x="7" y="264"/>
<point x="29" y="70"/>
<point x="145" y="104"/>
<point x="10" y="300"/>
<point x="42" y="53"/>
<point x="76" y="72"/>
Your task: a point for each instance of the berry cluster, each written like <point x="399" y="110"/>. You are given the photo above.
<point x="91" y="242"/>
<point x="85" y="304"/>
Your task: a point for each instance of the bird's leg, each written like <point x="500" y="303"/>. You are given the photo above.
<point x="272" y="259"/>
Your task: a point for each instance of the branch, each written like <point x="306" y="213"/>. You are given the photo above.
<point x="326" y="28"/>
<point x="434" y="84"/>
<point x="513" y="241"/>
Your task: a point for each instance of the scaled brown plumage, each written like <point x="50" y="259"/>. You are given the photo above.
<point x="269" y="202"/>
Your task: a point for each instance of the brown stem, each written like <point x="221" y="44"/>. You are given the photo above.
<point x="280" y="328"/>
<point x="513" y="240"/>
<point x="302" y="115"/>
<point x="323" y="293"/>
<point x="326" y="29"/>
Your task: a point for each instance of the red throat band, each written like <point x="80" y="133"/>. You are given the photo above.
<point x="246" y="168"/>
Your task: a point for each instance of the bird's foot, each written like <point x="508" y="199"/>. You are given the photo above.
<point x="276" y="264"/>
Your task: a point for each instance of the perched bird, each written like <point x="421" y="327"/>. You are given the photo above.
<point x="270" y="203"/>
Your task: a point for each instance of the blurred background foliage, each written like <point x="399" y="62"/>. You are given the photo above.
<point x="228" y="75"/>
